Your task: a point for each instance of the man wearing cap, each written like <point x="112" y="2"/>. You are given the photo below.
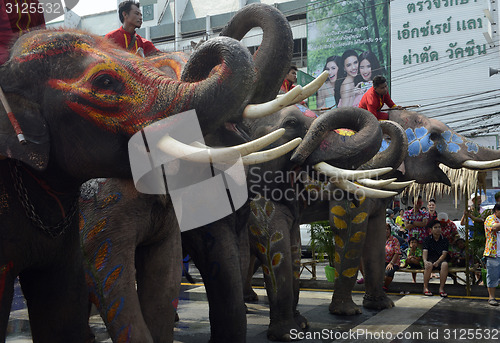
<point x="492" y="253"/>
<point x="448" y="228"/>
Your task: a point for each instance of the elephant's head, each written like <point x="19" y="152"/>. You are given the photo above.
<point x="431" y="142"/>
<point x="78" y="98"/>
<point x="321" y="143"/>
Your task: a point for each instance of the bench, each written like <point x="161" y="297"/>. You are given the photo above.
<point x="451" y="271"/>
<point x="310" y="266"/>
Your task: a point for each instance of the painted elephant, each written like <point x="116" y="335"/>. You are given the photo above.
<point x="78" y="100"/>
<point x="212" y="247"/>
<point x="282" y="197"/>
<point x="430" y="142"/>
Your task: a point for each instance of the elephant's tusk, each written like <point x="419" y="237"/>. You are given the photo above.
<point x="271" y="154"/>
<point x="395" y="186"/>
<point x="379" y="184"/>
<point x="198" y="152"/>
<point x="471" y="164"/>
<point x="363" y="191"/>
<point x="343" y="174"/>
<point x="261" y="110"/>
<point x="313" y="86"/>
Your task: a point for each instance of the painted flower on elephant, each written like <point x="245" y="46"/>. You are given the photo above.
<point x="452" y="141"/>
<point x="419" y="141"/>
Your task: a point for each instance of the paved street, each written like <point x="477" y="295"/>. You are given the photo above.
<point x="416" y="318"/>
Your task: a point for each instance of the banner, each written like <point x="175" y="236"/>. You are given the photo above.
<point x="350" y="40"/>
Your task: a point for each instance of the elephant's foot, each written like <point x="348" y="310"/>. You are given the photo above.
<point x="282" y="331"/>
<point x="301" y="320"/>
<point x="343" y="307"/>
<point x="377" y="302"/>
<point x="251" y="296"/>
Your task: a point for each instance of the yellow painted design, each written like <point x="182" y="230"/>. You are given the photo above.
<point x="296" y="275"/>
<point x="358" y="236"/>
<point x="276" y="259"/>
<point x="339" y="242"/>
<point x="360" y="218"/>
<point x="277" y="236"/>
<point x="361" y="201"/>
<point x="354" y="253"/>
<point x="336" y="273"/>
<point x="337" y="257"/>
<point x="339" y="223"/>
<point x="338" y="211"/>
<point x="350" y="272"/>
<point x="261" y="248"/>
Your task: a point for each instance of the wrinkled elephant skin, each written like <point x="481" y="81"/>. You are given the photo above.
<point x="78" y="100"/>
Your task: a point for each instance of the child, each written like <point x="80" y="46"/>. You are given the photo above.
<point x="414" y="257"/>
<point x="457" y="253"/>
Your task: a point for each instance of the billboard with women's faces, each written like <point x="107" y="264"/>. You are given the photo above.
<point x="350" y="40"/>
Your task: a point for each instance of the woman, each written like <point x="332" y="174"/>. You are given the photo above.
<point x="326" y="94"/>
<point x="369" y="67"/>
<point x="345" y="92"/>
<point x="392" y="256"/>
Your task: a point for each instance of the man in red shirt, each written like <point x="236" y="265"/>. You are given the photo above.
<point x="13" y="23"/>
<point x="125" y="36"/>
<point x="375" y="98"/>
<point x="289" y="80"/>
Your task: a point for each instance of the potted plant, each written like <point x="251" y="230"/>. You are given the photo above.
<point x="322" y="243"/>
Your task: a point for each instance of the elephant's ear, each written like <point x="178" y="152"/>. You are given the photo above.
<point x="35" y="152"/>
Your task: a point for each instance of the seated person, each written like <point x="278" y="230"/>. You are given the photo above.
<point x="392" y="256"/>
<point x="413" y="258"/>
<point x="435" y="254"/>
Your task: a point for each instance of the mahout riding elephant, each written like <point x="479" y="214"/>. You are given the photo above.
<point x="78" y="99"/>
<point x="138" y="243"/>
<point x="288" y="193"/>
<point x="430" y="142"/>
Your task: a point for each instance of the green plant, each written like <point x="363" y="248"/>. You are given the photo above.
<point x="322" y="241"/>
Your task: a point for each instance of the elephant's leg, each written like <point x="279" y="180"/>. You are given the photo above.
<point x="7" y="278"/>
<point x="214" y="249"/>
<point x="271" y="242"/>
<point x="296" y="255"/>
<point x="373" y="262"/>
<point x="57" y="297"/>
<point x="248" y="292"/>
<point x="158" y="284"/>
<point x="349" y="235"/>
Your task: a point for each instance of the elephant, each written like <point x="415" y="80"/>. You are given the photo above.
<point x="430" y="142"/>
<point x="274" y="220"/>
<point x="213" y="246"/>
<point x="281" y="199"/>
<point x="75" y="100"/>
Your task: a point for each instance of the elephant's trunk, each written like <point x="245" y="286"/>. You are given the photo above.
<point x="274" y="55"/>
<point x="395" y="153"/>
<point x="220" y="78"/>
<point x="322" y="144"/>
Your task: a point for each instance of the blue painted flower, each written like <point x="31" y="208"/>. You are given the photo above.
<point x="419" y="141"/>
<point x="384" y="145"/>
<point x="472" y="147"/>
<point x="452" y="141"/>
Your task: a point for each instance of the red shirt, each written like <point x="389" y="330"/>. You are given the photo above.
<point x="13" y="23"/>
<point x="373" y="102"/>
<point x="123" y="39"/>
<point x="286" y="86"/>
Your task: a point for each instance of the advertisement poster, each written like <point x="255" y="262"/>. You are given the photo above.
<point x="350" y="40"/>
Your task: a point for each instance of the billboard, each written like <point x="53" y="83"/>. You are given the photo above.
<point x="349" y="39"/>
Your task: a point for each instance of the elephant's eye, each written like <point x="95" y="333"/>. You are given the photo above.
<point x="106" y="82"/>
<point x="291" y="123"/>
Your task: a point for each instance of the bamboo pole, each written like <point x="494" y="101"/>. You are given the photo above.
<point x="467" y="269"/>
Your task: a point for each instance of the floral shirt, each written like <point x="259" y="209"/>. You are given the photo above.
<point x="449" y="231"/>
<point x="392" y="247"/>
<point x="418" y="253"/>
<point x="419" y="232"/>
<point x="491" y="247"/>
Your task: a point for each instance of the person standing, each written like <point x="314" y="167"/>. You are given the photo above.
<point x="126" y="37"/>
<point x="416" y="221"/>
<point x="492" y="253"/>
<point x="434" y="255"/>
<point x="375" y="98"/>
